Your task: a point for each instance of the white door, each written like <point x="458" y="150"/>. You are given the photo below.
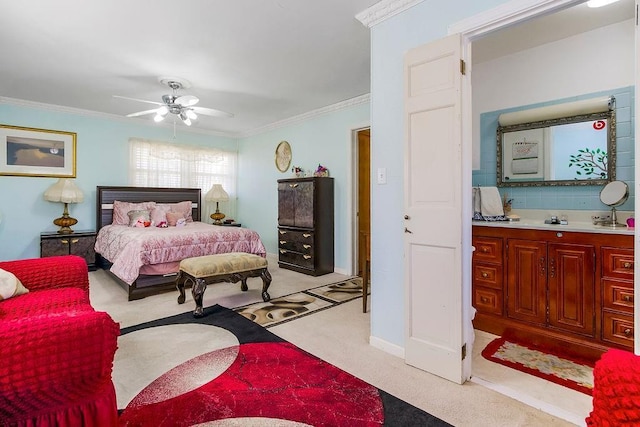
<point x="433" y="209"/>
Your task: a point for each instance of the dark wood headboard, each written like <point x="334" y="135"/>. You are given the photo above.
<point x="107" y="195"/>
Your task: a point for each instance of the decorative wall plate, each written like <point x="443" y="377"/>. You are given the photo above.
<point x="283" y="156"/>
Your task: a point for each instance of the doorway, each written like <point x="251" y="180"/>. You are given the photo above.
<point x="362" y="144"/>
<point x="473" y="35"/>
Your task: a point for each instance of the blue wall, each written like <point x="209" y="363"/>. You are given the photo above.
<point x="574" y="197"/>
<point x="324" y="139"/>
<point x="102" y="158"/>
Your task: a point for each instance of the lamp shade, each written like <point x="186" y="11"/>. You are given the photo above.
<point x="216" y="194"/>
<point x="64" y="191"/>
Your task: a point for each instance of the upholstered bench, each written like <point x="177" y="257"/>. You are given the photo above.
<point x="231" y="267"/>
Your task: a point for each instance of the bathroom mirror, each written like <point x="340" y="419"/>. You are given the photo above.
<point x="574" y="150"/>
<point x="614" y="194"/>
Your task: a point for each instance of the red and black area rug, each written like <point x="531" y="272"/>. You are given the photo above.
<point x="225" y="370"/>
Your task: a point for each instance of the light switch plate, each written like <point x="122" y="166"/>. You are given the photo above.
<point x="382" y="175"/>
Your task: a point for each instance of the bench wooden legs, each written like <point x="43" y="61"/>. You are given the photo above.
<point x="199" y="285"/>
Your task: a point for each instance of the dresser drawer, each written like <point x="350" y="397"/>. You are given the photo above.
<point x="487" y="300"/>
<point x="296" y="241"/>
<point x="487" y="249"/>
<point x="618" y="295"/>
<point x="297" y="258"/>
<point x="617" y="263"/>
<point x="489" y="275"/>
<point x="618" y="328"/>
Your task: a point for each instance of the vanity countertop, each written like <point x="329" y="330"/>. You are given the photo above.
<point x="584" y="227"/>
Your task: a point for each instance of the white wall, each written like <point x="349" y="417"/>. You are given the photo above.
<point x="591" y="62"/>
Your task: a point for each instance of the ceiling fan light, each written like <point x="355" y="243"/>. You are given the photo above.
<point x="162" y="111"/>
<point x="191" y="114"/>
<point x="158" y="118"/>
<point x="185" y="119"/>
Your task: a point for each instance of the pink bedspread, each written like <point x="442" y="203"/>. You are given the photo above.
<point x="129" y="248"/>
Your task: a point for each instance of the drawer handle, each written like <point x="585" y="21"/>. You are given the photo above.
<point x="628" y="298"/>
<point x="627" y="265"/>
<point x="485" y="274"/>
<point x="307" y="256"/>
<point x="282" y="232"/>
<point x="484" y="249"/>
<point x="282" y="251"/>
<point x="293" y="185"/>
<point x="306" y="235"/>
<point x="64" y="242"/>
<point x="628" y="332"/>
<point x="75" y="240"/>
<point x="282" y="242"/>
<point x="484" y="299"/>
<point x="306" y="246"/>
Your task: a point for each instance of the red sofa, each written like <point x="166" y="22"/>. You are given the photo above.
<point x="616" y="390"/>
<point x="56" y="351"/>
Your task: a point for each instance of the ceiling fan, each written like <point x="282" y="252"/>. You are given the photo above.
<point x="183" y="106"/>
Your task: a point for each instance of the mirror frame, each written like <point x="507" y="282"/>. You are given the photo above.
<point x="611" y="149"/>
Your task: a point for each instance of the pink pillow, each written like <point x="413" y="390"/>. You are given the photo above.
<point x="173" y="217"/>
<point x="159" y="215"/>
<point x="121" y="209"/>
<point x="183" y="208"/>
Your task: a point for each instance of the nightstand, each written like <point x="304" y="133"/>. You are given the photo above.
<point x="79" y="243"/>
<point x="233" y="224"/>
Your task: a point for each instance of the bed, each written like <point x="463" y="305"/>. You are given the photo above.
<point x="145" y="260"/>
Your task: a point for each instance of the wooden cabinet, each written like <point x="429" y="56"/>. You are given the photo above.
<point x="79" y="243"/>
<point x="617" y="301"/>
<point x="306" y="225"/>
<point x="574" y="288"/>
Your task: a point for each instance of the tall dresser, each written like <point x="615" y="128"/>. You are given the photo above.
<point x="306" y="224"/>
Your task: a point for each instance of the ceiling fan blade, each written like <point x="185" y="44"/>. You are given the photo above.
<point x="211" y="112"/>
<point x="139" y="100"/>
<point x="186" y="100"/>
<point x="142" y="113"/>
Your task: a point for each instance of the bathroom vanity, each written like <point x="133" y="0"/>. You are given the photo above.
<point x="570" y="286"/>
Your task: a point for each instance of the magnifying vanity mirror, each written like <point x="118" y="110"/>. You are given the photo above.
<point x="564" y="144"/>
<point x="614" y="194"/>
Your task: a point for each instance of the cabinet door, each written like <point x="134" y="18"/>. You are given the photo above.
<point x="527" y="280"/>
<point x="286" y="203"/>
<point x="304" y="205"/>
<point x="571" y="272"/>
<point x="84" y="247"/>
<point x="54" y="247"/>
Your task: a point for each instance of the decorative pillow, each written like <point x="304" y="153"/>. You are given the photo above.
<point x="159" y="215"/>
<point x="10" y="286"/>
<point x="139" y="218"/>
<point x="182" y="207"/>
<point x="173" y="217"/>
<point x="122" y="209"/>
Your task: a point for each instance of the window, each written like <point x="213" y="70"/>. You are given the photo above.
<point x="161" y="164"/>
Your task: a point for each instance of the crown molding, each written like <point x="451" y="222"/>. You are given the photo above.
<point x="358" y="100"/>
<point x="96" y="114"/>
<point x="506" y="14"/>
<point x="362" y="99"/>
<point x="384" y="10"/>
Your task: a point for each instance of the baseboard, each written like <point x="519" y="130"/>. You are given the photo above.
<point x="387" y="347"/>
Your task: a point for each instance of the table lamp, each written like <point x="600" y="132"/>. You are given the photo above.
<point x="217" y="194"/>
<point x="64" y="191"/>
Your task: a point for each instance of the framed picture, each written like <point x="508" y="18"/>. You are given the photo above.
<point x="37" y="152"/>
